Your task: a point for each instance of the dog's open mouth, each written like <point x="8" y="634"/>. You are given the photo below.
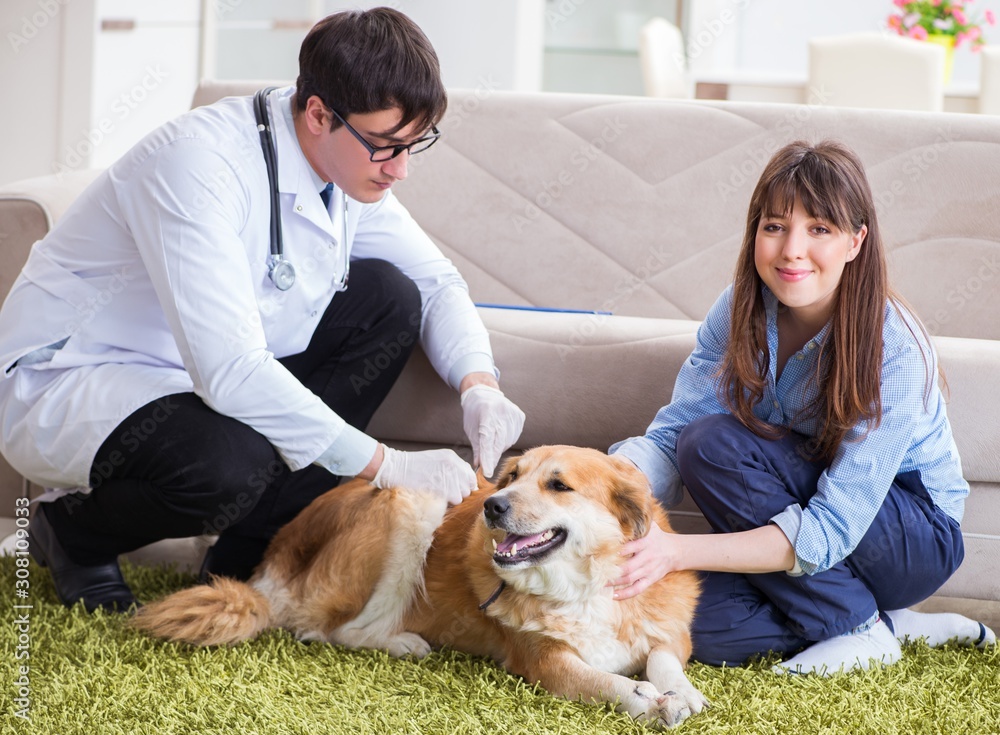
<point x="515" y="549"/>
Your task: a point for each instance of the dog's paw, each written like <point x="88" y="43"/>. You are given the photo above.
<point x="673" y="707"/>
<point x="641" y="701"/>
<point x="407" y="644"/>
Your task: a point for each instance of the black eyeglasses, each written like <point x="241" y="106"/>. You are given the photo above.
<point x="379" y="153"/>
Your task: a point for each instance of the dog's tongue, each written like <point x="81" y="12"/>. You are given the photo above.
<point x="521" y="541"/>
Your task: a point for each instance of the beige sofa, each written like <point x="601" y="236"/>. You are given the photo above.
<point x="636" y="207"/>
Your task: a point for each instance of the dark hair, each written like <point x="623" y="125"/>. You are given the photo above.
<point x="830" y="181"/>
<point x="361" y="61"/>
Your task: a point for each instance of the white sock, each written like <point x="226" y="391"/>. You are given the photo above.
<point x="848" y="652"/>
<point x="940" y="628"/>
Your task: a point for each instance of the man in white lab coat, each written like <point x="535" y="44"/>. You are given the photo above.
<point x="169" y="371"/>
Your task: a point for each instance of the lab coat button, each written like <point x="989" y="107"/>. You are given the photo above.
<point x="298" y="207"/>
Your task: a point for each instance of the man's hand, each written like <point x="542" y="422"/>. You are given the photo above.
<point x="492" y="423"/>
<point x="649" y="559"/>
<point x="438" y="470"/>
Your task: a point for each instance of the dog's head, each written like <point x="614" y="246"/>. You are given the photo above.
<point x="565" y="507"/>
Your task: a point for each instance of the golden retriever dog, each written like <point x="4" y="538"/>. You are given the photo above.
<point x="518" y="573"/>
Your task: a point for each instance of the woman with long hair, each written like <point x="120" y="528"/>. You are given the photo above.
<point x="809" y="428"/>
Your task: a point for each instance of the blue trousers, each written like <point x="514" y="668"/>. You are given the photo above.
<point x="740" y="481"/>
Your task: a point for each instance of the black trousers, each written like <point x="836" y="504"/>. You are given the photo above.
<point x="176" y="468"/>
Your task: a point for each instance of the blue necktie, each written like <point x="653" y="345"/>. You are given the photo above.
<point x="325" y="196"/>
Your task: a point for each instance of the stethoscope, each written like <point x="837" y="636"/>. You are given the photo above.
<point x="280" y="271"/>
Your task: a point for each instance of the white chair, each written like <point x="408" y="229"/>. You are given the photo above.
<point x="989" y="80"/>
<point x="661" y="56"/>
<point x="876" y="70"/>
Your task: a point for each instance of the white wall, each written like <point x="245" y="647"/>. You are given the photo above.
<point x="50" y="49"/>
<point x="479" y="42"/>
<point x="78" y="95"/>
<point x="484" y="43"/>
<point x="771" y="36"/>
<point x="30" y="77"/>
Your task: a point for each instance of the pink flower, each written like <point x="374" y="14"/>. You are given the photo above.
<point x="918" y="18"/>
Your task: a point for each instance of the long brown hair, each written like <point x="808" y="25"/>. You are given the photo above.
<point x="830" y="181"/>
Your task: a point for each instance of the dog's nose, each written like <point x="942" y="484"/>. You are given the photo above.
<point x="495" y="507"/>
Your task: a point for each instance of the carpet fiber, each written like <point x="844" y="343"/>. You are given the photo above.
<point x="92" y="674"/>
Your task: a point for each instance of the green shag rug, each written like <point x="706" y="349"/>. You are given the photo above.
<point x="92" y="674"/>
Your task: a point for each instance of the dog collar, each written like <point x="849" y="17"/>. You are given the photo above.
<point x="494" y="596"/>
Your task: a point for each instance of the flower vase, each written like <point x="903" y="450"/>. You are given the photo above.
<point x="948" y="44"/>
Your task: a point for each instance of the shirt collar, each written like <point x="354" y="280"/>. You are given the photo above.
<point x="295" y="175"/>
<point x="294" y="172"/>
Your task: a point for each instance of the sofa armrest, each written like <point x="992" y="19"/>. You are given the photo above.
<point x="51" y="194"/>
<point x="970" y="369"/>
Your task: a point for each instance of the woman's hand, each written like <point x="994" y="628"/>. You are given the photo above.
<point x="757" y="551"/>
<point x="648" y="560"/>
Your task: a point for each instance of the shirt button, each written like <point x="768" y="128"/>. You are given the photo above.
<point x="811" y="346"/>
<point x="298" y="208"/>
<point x="313" y="313"/>
<point x="777" y="405"/>
<point x="799" y="357"/>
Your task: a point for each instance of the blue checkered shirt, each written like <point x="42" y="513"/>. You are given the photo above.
<point x="914" y="433"/>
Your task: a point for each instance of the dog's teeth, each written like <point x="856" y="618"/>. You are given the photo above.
<point x="494" y="544"/>
<point x="513" y="550"/>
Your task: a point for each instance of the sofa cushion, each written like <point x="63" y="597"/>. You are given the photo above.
<point x="583" y="379"/>
<point x="637" y="206"/>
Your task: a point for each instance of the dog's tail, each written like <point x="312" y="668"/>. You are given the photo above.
<point x="224" y="612"/>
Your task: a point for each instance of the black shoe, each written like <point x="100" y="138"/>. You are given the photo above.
<point x="99" y="586"/>
<point x="205" y="573"/>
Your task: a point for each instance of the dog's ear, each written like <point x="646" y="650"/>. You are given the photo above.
<point x="482" y="481"/>
<point x="631" y="499"/>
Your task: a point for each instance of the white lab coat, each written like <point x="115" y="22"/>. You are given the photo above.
<point x="157" y="275"/>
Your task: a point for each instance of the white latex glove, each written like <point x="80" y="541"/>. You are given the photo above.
<point x="492" y="424"/>
<point x="437" y="470"/>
